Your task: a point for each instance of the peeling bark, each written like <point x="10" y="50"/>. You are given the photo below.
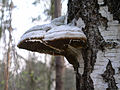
<point x="108" y="76"/>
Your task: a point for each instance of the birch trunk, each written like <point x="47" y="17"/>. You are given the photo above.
<point x="101" y="57"/>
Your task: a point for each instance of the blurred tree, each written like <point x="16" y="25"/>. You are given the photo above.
<point x="69" y="79"/>
<point x="0" y="32"/>
<point x="7" y="6"/>
<point x="55" y="11"/>
<point x="59" y="60"/>
<point x="5" y="26"/>
<point x="2" y="80"/>
<point x="33" y="77"/>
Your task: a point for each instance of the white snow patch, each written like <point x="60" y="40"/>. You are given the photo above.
<point x="64" y="31"/>
<point x="65" y="28"/>
<point x="37" y="31"/>
<point x="36" y="40"/>
<point x="59" y="21"/>
<point x="41" y="27"/>
<point x="33" y="34"/>
<point x="59" y="35"/>
<point x="100" y="2"/>
<point x="80" y="23"/>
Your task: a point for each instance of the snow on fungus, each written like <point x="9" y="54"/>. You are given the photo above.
<point x="59" y="21"/>
<point x="63" y="35"/>
<point x="51" y="38"/>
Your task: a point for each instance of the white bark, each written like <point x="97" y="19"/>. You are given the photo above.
<point x="112" y="34"/>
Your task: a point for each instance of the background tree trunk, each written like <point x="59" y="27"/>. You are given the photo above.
<point x="57" y="11"/>
<point x="59" y="60"/>
<point x="101" y="54"/>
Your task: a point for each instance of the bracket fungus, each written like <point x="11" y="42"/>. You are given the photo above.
<point x="54" y="39"/>
<point x="60" y="36"/>
<point x="70" y="40"/>
<point x="32" y="40"/>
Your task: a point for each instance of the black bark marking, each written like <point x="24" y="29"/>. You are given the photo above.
<point x="111" y="45"/>
<point x="119" y="70"/>
<point x="108" y="77"/>
<point x="114" y="8"/>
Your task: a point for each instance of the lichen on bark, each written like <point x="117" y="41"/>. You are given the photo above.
<point x="108" y="76"/>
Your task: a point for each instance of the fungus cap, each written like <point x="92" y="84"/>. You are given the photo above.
<point x="32" y="40"/>
<point x="37" y="32"/>
<point x="65" y="34"/>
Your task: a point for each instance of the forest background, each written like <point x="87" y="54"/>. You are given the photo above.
<point x="20" y="69"/>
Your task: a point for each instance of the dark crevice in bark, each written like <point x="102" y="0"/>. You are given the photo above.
<point x="89" y="57"/>
<point x="108" y="76"/>
<point x="78" y="81"/>
<point x="114" y="8"/>
<point x="119" y="70"/>
<point x="88" y="10"/>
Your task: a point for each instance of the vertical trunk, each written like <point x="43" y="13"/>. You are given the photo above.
<point x="59" y="60"/>
<point x="57" y="11"/>
<point x="100" y="64"/>
<point x="7" y="65"/>
<point x="51" y="75"/>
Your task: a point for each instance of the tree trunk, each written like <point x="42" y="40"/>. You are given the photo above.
<point x="101" y="56"/>
<point x="59" y="60"/>
<point x="57" y="11"/>
<point x="8" y="60"/>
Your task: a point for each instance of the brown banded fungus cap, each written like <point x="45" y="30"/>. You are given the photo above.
<point x="32" y="40"/>
<point x="63" y="35"/>
<point x="51" y="39"/>
<point x="68" y="39"/>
